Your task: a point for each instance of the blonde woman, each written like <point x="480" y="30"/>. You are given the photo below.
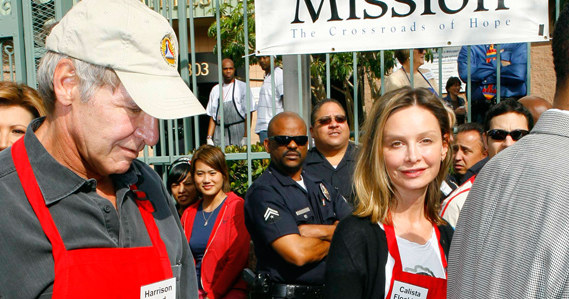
<point x="396" y="245"/>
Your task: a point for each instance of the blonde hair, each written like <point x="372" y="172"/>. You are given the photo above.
<point x="375" y="193"/>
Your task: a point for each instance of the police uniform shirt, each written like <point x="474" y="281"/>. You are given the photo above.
<point x="274" y="207"/>
<point x="340" y="177"/>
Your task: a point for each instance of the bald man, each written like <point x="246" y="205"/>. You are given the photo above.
<point x="291" y="216"/>
<point x="536" y="105"/>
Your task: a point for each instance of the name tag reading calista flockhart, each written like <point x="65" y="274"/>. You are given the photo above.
<point x="402" y="290"/>
<point x="165" y="289"/>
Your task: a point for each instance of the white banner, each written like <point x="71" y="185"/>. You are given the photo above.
<point x="323" y="26"/>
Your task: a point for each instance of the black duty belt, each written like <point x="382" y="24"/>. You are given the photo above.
<point x="279" y="290"/>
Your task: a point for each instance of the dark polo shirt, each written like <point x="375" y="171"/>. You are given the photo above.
<point x="340" y="177"/>
<point x="275" y="205"/>
<point x="84" y="220"/>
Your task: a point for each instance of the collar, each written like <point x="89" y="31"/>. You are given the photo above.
<point x="316" y="156"/>
<point x="552" y="122"/>
<point x="57" y="181"/>
<point x="286" y="180"/>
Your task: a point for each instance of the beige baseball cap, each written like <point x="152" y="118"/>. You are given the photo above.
<point x="137" y="43"/>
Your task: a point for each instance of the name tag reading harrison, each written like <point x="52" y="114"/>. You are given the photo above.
<point x="402" y="290"/>
<point x="165" y="289"/>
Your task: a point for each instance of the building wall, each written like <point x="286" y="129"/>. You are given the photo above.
<point x="542" y="72"/>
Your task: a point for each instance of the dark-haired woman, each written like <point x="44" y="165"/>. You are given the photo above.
<point x="181" y="184"/>
<point x="215" y="228"/>
<point x="454" y="101"/>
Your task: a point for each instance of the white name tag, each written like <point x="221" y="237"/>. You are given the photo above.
<point x="402" y="290"/>
<point x="165" y="289"/>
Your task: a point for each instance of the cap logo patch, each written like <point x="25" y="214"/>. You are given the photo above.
<point x="168" y="51"/>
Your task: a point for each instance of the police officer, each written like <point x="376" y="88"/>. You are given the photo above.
<point x="333" y="157"/>
<point x="291" y="216"/>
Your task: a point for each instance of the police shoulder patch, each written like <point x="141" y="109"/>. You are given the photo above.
<point x="271" y="215"/>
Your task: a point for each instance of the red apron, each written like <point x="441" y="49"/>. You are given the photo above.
<point x="409" y="285"/>
<point x="96" y="272"/>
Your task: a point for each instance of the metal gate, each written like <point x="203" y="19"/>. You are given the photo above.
<point x="23" y="26"/>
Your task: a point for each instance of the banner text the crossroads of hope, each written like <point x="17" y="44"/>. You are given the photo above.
<point x="323" y="26"/>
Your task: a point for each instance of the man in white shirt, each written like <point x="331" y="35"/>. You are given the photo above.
<point x="234" y="109"/>
<point x="266" y="99"/>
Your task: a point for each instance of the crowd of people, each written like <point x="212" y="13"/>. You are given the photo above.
<point x="428" y="205"/>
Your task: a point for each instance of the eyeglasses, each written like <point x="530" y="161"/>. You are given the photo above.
<point x="326" y="120"/>
<point x="285" y="140"/>
<point x="498" y="134"/>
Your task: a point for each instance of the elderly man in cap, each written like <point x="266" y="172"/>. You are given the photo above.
<point x="81" y="217"/>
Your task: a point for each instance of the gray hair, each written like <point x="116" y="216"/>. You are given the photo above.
<point x="91" y="78"/>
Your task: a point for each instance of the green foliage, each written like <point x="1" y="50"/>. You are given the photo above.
<point x="238" y="168"/>
<point x="231" y="24"/>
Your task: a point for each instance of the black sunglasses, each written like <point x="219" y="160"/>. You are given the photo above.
<point x="498" y="134"/>
<point x="285" y="140"/>
<point x="326" y="120"/>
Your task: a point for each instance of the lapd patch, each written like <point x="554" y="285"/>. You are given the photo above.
<point x="325" y="191"/>
<point x="168" y="50"/>
<point x="271" y="215"/>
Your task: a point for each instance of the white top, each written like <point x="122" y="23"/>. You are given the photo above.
<point x="422" y="78"/>
<point x="240" y="89"/>
<point x="451" y="206"/>
<point x="264" y="107"/>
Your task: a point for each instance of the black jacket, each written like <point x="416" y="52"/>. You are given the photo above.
<point x="355" y="267"/>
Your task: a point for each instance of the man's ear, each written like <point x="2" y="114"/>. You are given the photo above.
<point x="65" y="81"/>
<point x="485" y="139"/>
<point x="266" y="144"/>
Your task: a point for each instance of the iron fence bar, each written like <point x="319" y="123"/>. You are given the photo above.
<point x="184" y="70"/>
<point x="528" y="74"/>
<point x="23" y="72"/>
<point x="411" y="70"/>
<point x="469" y="84"/>
<point x="356" y="98"/>
<point x="273" y="87"/>
<point x="247" y="92"/>
<point x="440" y="50"/>
<point x="328" y="92"/>
<point x="382" y="76"/>
<point x="299" y="72"/>
<point x="162" y="136"/>
<point x="171" y="137"/>
<point x="498" y="73"/>
<point x="193" y="68"/>
<point x="1" y="60"/>
<point x="221" y="100"/>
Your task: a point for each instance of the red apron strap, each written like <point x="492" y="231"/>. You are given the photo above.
<point x="392" y="247"/>
<point x="35" y="197"/>
<point x="146" y="209"/>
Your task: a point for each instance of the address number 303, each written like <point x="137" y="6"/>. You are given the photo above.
<point x="202" y="69"/>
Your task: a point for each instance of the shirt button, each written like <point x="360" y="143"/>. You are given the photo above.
<point x="107" y="209"/>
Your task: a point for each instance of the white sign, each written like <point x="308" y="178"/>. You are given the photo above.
<point x="165" y="289"/>
<point x="448" y="64"/>
<point x="402" y="290"/>
<point x="322" y="26"/>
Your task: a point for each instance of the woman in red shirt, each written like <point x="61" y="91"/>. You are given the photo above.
<point x="215" y="228"/>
